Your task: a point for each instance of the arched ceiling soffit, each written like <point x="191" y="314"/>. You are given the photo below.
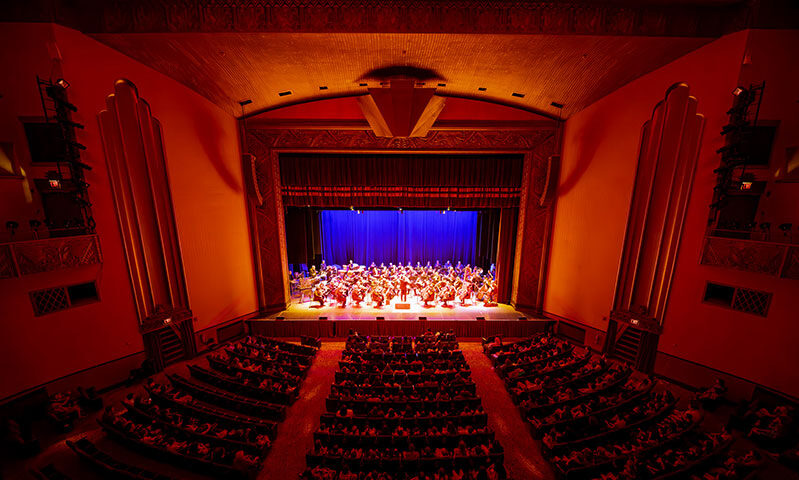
<point x="525" y="71"/>
<point x="570" y="52"/>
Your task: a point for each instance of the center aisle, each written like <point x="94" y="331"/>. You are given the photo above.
<point x="523" y="458"/>
<point x="286" y="459"/>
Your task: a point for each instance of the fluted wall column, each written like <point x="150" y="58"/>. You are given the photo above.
<point x="134" y="150"/>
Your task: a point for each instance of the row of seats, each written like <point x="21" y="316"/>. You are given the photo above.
<point x="596" y="419"/>
<point x="404" y="407"/>
<point x="221" y="419"/>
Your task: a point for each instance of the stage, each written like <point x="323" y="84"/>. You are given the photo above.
<point x="474" y="321"/>
<point x="312" y="311"/>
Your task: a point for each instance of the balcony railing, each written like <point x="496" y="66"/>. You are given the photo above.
<point x="47" y="255"/>
<point x="769" y="258"/>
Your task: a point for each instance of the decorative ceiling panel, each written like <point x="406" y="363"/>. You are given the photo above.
<point x="574" y="70"/>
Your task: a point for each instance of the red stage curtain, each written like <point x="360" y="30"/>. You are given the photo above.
<point x="401" y="180"/>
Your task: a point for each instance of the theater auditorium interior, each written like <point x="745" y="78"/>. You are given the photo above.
<point x="401" y="239"/>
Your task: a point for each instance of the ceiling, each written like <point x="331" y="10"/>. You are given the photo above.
<point x="573" y="70"/>
<point x="572" y="52"/>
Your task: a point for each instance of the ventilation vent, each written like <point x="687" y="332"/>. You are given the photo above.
<point x="49" y="300"/>
<point x="60" y="298"/>
<point x="744" y="300"/>
<point x="482" y="89"/>
<point x="515" y="94"/>
<point x="283" y="94"/>
<point x="323" y="87"/>
<point x="442" y="84"/>
<point x="751" y="301"/>
<point x="363" y="84"/>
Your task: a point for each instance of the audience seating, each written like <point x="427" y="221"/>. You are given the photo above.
<point x="597" y="420"/>
<point x="49" y="472"/>
<point x="220" y="420"/>
<point x="401" y="407"/>
<point x="109" y="466"/>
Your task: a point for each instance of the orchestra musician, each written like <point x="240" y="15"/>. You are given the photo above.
<point x="380" y="285"/>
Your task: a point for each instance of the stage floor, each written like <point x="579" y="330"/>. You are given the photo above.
<point x="312" y="311"/>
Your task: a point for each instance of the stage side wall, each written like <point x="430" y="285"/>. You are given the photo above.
<point x="600" y="151"/>
<point x="202" y="153"/>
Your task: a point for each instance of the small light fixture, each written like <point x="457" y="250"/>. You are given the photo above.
<point x="167" y="320"/>
<point x="55" y="183"/>
<point x="738" y="91"/>
<point x="359" y="212"/>
<point x="746" y="185"/>
<point x="62" y="83"/>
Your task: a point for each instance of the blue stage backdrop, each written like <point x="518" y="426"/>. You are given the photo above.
<point x="385" y="236"/>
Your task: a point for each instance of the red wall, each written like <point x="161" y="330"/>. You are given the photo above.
<point x="202" y="153"/>
<point x="599" y="157"/>
<point x="759" y="349"/>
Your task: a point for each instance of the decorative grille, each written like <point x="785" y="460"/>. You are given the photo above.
<point x="751" y="301"/>
<point x="49" y="300"/>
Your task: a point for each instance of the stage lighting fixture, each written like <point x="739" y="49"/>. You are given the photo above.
<point x="55" y="183"/>
<point x="62" y="83"/>
<point x="738" y="91"/>
<point x="746" y="185"/>
<point x="352" y="208"/>
<point x="359" y="212"/>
